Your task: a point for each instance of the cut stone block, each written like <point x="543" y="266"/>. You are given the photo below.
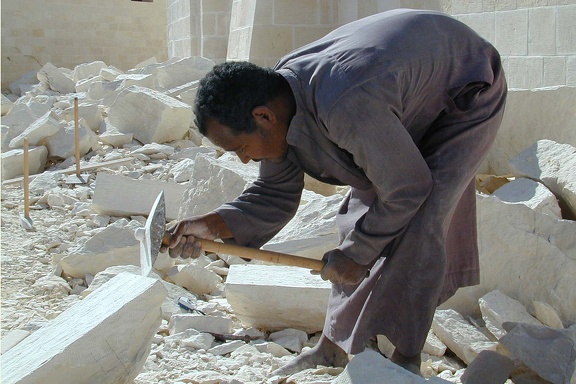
<point x="7" y="105"/>
<point x="498" y="308"/>
<point x="370" y="367"/>
<point x="118" y="195"/>
<point x="12" y="339"/>
<point x="24" y="82"/>
<point x="63" y="144"/>
<point x="554" y="165"/>
<point x="103" y="338"/>
<point x="175" y="73"/>
<point x="212" y="324"/>
<point x="89" y="112"/>
<point x="114" y="245"/>
<point x="214" y="182"/>
<point x="37" y="132"/>
<point x="530" y="193"/>
<point x="531" y="115"/>
<point x="460" y="336"/>
<point x="194" y="278"/>
<point x="277" y="297"/>
<point x="86" y="70"/>
<point x="540" y="258"/>
<point x="150" y="115"/>
<point x="13" y="162"/>
<point x="546" y="314"/>
<point x="57" y="79"/>
<point x="549" y="352"/>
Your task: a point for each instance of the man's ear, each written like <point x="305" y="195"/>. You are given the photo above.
<point x="264" y="115"/>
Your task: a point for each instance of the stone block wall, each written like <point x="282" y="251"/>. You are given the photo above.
<point x="66" y="33"/>
<point x="198" y="28"/>
<point x="536" y="38"/>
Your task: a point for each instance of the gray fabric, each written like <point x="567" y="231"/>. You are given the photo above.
<point x="403" y="107"/>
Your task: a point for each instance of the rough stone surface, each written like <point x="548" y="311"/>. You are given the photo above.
<point x="552" y="164"/>
<point x="149" y="115"/>
<point x="117" y="322"/>
<point x="460" y="336"/>
<point x="498" y="308"/>
<point x="252" y="290"/>
<point x="530" y="193"/>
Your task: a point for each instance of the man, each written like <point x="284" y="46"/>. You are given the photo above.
<point x="401" y="106"/>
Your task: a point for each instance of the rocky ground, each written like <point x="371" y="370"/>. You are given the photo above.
<point x="35" y="290"/>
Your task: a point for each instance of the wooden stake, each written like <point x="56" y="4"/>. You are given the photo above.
<point x="77" y="137"/>
<point x="25" y="180"/>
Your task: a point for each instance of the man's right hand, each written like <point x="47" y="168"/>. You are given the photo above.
<point x="185" y="234"/>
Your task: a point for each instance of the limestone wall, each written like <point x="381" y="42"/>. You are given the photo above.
<point x="66" y="33"/>
<point x="537" y="38"/>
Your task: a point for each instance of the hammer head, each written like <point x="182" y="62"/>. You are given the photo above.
<point x="151" y="234"/>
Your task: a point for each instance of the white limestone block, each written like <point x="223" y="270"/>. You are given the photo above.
<point x="224" y="349"/>
<point x="140" y="80"/>
<point x="13" y="161"/>
<point x="87" y="111"/>
<point x="104" y="92"/>
<point x="254" y="290"/>
<point x="183" y="170"/>
<point x="150" y="115"/>
<point x="112" y="136"/>
<point x="370" y="367"/>
<point x="546" y="314"/>
<point x="103" y="338"/>
<point x="84" y="84"/>
<point x="24" y="113"/>
<point x="313" y="230"/>
<point x="433" y="345"/>
<point x="462" y="338"/>
<point x="272" y="348"/>
<point x="63" y="144"/>
<point x="199" y="340"/>
<point x="291" y="339"/>
<point x="174" y="73"/>
<point x="554" y="165"/>
<point x="194" y="278"/>
<point x="114" y="245"/>
<point x="38" y="131"/>
<point x="214" y="182"/>
<point x="24" y="82"/>
<point x="531" y="115"/>
<point x="7" y="105"/>
<point x="12" y="339"/>
<point x="57" y="79"/>
<point x="498" y="308"/>
<point x="86" y="70"/>
<point x="110" y="73"/>
<point x="118" y="195"/>
<point x="539" y="254"/>
<point x="212" y="324"/>
<point x="530" y="193"/>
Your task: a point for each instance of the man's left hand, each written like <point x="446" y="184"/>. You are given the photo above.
<point x="340" y="269"/>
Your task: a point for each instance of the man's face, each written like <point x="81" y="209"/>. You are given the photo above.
<point x="264" y="143"/>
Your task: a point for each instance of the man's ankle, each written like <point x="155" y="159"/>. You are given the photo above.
<point x="410" y="363"/>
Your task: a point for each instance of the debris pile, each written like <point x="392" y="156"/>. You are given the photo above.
<point x="237" y="321"/>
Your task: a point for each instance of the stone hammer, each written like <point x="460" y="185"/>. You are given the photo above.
<point x="153" y="236"/>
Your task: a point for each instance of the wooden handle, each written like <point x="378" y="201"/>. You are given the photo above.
<point x="256" y="254"/>
<point x="76" y="137"/>
<point x="26" y="172"/>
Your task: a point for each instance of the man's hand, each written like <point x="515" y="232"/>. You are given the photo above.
<point x="340" y="269"/>
<point x="184" y="235"/>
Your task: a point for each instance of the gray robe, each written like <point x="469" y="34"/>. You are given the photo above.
<point x="402" y="106"/>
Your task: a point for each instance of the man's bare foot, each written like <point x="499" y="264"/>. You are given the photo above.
<point x="411" y="364"/>
<point x="324" y="353"/>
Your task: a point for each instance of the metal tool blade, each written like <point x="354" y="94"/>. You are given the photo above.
<point x="151" y="238"/>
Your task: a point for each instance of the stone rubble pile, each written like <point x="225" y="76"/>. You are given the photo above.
<point x="247" y="318"/>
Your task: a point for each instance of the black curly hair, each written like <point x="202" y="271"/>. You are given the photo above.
<point x="231" y="90"/>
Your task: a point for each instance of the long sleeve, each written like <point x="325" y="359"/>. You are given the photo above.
<point x="266" y="206"/>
